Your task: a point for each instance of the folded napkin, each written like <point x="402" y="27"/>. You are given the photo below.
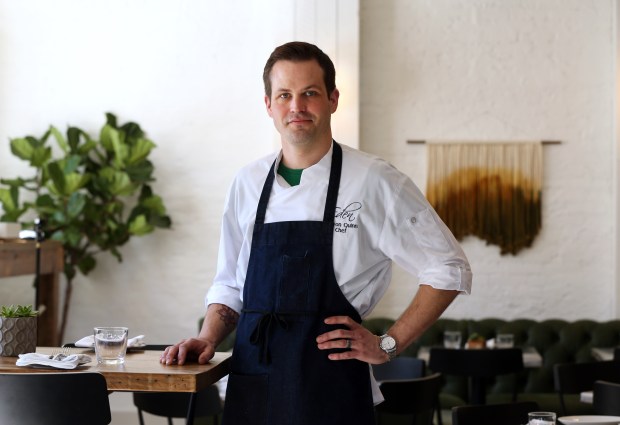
<point x="59" y="361"/>
<point x="89" y="342"/>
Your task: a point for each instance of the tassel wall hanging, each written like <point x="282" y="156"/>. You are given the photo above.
<point x="489" y="190"/>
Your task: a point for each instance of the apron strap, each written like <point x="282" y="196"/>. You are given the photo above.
<point x="264" y="197"/>
<point x="334" y="183"/>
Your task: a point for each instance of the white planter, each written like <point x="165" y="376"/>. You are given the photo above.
<point x="18" y="335"/>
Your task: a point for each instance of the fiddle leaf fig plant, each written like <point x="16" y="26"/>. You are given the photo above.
<point x="92" y="197"/>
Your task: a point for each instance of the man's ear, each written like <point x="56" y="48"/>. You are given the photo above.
<point x="268" y="105"/>
<point x="333" y="99"/>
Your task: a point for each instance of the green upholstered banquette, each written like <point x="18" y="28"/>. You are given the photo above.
<point x="557" y="341"/>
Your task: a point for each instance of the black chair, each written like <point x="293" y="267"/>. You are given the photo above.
<point x="574" y="378"/>
<point x="54" y="398"/>
<point x="176" y="405"/>
<point x="477" y="365"/>
<point x="205" y="403"/>
<point x="493" y="414"/>
<point x="402" y="368"/>
<point x="399" y="368"/>
<point x="606" y="398"/>
<point x="416" y="397"/>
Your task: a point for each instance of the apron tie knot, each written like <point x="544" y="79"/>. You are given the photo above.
<point x="262" y="332"/>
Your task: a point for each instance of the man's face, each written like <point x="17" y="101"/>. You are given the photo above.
<point x="300" y="106"/>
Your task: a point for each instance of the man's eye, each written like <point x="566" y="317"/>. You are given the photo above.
<point x="310" y="93"/>
<point x="284" y="96"/>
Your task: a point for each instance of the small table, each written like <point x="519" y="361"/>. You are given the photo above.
<point x="602" y="354"/>
<point x="141" y="371"/>
<point x="18" y="257"/>
<point x="531" y="357"/>
<point x="477" y="365"/>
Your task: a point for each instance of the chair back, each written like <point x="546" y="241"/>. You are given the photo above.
<point x="175" y="405"/>
<point x="481" y="363"/>
<point x="491" y="414"/>
<point x="573" y="378"/>
<point x="54" y="398"/>
<point x="417" y="396"/>
<point x="606" y="398"/>
<point x="399" y="368"/>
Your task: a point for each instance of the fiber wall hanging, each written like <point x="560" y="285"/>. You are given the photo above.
<point x="489" y="190"/>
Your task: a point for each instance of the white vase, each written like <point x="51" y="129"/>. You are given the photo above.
<point x="18" y="335"/>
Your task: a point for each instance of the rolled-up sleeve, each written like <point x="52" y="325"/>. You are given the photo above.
<point x="416" y="238"/>
<point x="226" y="289"/>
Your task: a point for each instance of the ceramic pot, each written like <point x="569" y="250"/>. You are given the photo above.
<point x="18" y="335"/>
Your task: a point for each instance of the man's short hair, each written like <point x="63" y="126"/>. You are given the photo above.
<point x="299" y="51"/>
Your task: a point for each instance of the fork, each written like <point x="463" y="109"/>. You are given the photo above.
<point x="59" y="353"/>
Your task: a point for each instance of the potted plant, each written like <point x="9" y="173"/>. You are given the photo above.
<point x="475" y="341"/>
<point x="18" y="330"/>
<point x="92" y="197"/>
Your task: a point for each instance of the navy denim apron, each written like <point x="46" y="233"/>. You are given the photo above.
<point x="278" y="374"/>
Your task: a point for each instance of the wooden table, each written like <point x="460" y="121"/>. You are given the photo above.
<point x="531" y="357"/>
<point x="141" y="372"/>
<point x="18" y="257"/>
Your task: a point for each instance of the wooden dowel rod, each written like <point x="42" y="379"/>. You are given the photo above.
<point x="544" y="142"/>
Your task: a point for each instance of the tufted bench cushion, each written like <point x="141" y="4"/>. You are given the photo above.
<point x="557" y="341"/>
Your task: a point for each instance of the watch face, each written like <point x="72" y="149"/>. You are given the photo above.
<point x="388" y="343"/>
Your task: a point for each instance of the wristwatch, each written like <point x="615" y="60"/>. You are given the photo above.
<point x="388" y="344"/>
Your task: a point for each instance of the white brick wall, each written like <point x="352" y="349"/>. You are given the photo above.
<point x="507" y="70"/>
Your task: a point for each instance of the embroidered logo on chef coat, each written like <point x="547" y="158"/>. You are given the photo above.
<point x="346" y="218"/>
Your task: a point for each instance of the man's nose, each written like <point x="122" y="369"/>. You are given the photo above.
<point x="298" y="104"/>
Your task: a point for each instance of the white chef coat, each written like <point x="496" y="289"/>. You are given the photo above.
<point x="381" y="216"/>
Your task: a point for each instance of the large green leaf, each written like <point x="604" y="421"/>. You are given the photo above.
<point x="118" y="183"/>
<point x="110" y="119"/>
<point x="73" y="236"/>
<point x="71" y="163"/>
<point x="139" y="151"/>
<point x="58" y="178"/>
<point x="73" y="138"/>
<point x="132" y="130"/>
<point x="60" y="139"/>
<point x="65" y="183"/>
<point x="40" y="156"/>
<point x="141" y="172"/>
<point x="154" y="203"/>
<point x="76" y="204"/>
<point x="75" y="182"/>
<point x="111" y="140"/>
<point x="45" y="204"/>
<point x="85" y="148"/>
<point x="139" y="226"/>
<point x="9" y="199"/>
<point x="22" y="148"/>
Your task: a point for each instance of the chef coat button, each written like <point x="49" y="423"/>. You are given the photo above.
<point x="413" y="220"/>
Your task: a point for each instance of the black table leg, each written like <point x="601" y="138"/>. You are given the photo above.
<point x="191" y="409"/>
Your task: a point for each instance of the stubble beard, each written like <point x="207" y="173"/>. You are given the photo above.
<point x="302" y="137"/>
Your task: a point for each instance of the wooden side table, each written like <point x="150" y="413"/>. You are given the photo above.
<point x="18" y="257"/>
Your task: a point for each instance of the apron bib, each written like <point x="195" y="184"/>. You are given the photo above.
<point x="278" y="375"/>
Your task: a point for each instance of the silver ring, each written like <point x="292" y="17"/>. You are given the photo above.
<point x="348" y="346"/>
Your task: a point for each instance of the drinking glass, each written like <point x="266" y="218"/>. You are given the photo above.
<point x="504" y="341"/>
<point x="452" y="339"/>
<point x="541" y="418"/>
<point x="111" y="344"/>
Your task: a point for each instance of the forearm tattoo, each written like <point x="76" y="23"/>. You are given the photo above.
<point x="229" y="316"/>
